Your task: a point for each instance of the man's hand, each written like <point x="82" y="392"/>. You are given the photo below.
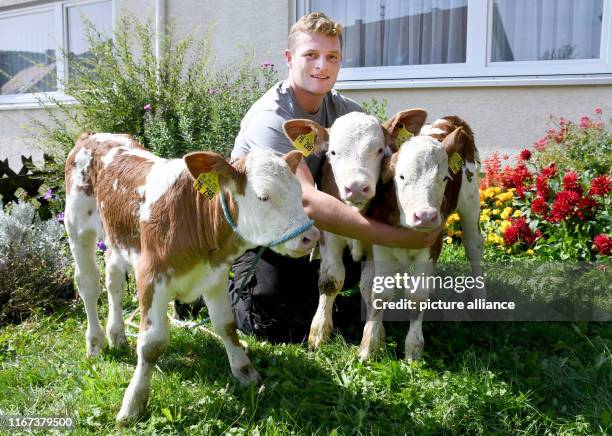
<point x="413" y="239"/>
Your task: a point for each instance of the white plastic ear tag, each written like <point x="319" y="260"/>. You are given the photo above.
<point x="455" y="163"/>
<point x="207" y="184"/>
<point x="403" y="135"/>
<point x="305" y="142"/>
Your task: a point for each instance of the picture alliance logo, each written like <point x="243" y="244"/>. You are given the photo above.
<point x="412" y="283"/>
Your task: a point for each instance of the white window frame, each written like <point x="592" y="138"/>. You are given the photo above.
<point x="60" y="36"/>
<point x="478" y="70"/>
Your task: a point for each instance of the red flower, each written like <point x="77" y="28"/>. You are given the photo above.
<point x="542" y="188"/>
<point x="539" y="206"/>
<point x="603" y="244"/>
<point x="585" y="122"/>
<point x="586" y="207"/>
<point x="520" y="230"/>
<point x="598" y="110"/>
<point x="515" y="178"/>
<point x="540" y="144"/>
<point x="564" y="205"/>
<point x="511" y="235"/>
<point x="492" y="171"/>
<point x="600" y="186"/>
<point x="570" y="182"/>
<point x="525" y="154"/>
<point x="549" y="171"/>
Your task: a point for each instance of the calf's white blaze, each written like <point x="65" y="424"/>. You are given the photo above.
<point x="421" y="167"/>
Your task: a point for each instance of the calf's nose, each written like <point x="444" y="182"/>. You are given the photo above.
<point x="357" y="191"/>
<point x="310" y="238"/>
<point x="426" y="217"/>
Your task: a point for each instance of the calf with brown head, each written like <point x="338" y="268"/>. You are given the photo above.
<point x="179" y="243"/>
<point x="426" y="180"/>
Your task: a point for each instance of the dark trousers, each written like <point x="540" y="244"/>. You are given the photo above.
<point x="281" y="297"/>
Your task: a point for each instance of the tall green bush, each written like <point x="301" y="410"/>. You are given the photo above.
<point x="172" y="105"/>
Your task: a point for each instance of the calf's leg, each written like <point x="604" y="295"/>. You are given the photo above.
<point x="152" y="341"/>
<point x="224" y="324"/>
<point x="115" y="285"/>
<point x="331" y="280"/>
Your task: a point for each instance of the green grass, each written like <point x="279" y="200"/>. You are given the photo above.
<point x="501" y="378"/>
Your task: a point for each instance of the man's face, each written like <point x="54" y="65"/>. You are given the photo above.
<point x="314" y="62"/>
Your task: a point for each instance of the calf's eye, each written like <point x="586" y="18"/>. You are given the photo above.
<point x="333" y="153"/>
<point x="380" y="150"/>
<point x="402" y="176"/>
<point x="262" y="197"/>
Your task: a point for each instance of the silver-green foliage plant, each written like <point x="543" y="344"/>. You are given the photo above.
<point x="173" y="104"/>
<point x="34" y="263"/>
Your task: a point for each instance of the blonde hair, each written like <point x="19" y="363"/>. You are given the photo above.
<point x="316" y="22"/>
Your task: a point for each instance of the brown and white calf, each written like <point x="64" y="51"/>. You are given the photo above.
<point x="418" y="191"/>
<point x="355" y="146"/>
<point x="176" y="241"/>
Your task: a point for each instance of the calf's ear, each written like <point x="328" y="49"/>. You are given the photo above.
<point x="200" y="162"/>
<point x="293" y="159"/>
<point x="387" y="167"/>
<point x="412" y="120"/>
<point x="294" y="128"/>
<point x="455" y="141"/>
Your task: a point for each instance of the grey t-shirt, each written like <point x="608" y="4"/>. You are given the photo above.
<point x="262" y="126"/>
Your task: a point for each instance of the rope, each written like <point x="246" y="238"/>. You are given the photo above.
<point x="287" y="236"/>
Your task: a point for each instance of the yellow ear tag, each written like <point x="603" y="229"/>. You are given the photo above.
<point x="305" y="142"/>
<point x="402" y="136"/>
<point x="207" y="184"/>
<point x="455" y="163"/>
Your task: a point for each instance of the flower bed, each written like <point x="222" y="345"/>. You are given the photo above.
<point x="554" y="201"/>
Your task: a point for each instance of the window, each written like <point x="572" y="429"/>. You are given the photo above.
<point x="471" y="40"/>
<point x="32" y="41"/>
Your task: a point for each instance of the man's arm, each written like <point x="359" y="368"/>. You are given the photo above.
<point x="336" y="217"/>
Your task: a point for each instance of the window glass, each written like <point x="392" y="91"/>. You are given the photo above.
<point x="27" y="53"/>
<point x="100" y="17"/>
<point x="396" y="32"/>
<point x="99" y="14"/>
<point x="534" y="30"/>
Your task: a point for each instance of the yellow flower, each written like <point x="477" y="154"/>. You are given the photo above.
<point x="509" y="250"/>
<point x="497" y="189"/>
<point x="449" y="232"/>
<point x="504" y="225"/>
<point x="506" y="213"/>
<point x="485" y="218"/>
<point x="529" y="252"/>
<point x="459" y="233"/>
<point x="495" y="211"/>
<point x="448" y="240"/>
<point x="516" y="214"/>
<point x="486" y="212"/>
<point x="499" y="203"/>
<point x="491" y="237"/>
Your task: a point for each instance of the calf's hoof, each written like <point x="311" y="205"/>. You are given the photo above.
<point x="373" y="339"/>
<point x="116" y="339"/>
<point x="129" y="415"/>
<point x="247" y="375"/>
<point x="319" y="333"/>
<point x="414" y="350"/>
<point x="94" y="345"/>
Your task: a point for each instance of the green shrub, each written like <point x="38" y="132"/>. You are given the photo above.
<point x="582" y="146"/>
<point x="34" y="263"/>
<point x="173" y="105"/>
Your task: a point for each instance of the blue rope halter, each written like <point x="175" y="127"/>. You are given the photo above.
<point x="290" y="235"/>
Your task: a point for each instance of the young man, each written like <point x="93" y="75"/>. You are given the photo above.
<point x="280" y="298"/>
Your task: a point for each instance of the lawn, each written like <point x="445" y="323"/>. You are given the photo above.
<point x="475" y="377"/>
